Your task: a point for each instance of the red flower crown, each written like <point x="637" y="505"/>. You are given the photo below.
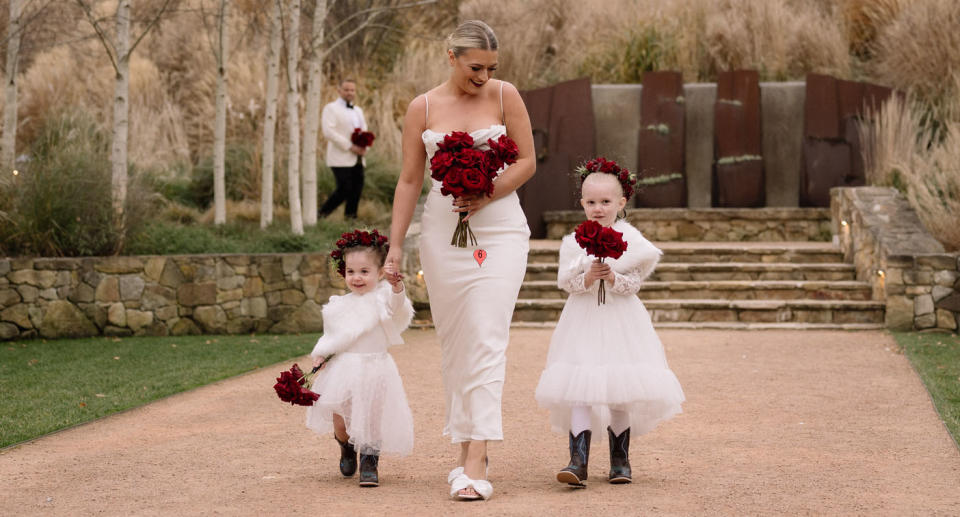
<point x="626" y="178"/>
<point x="371" y="239"/>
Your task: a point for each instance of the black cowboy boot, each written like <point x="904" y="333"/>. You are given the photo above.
<point x="368" y="469"/>
<point x="575" y="474"/>
<point x="619" y="456"/>
<point x="348" y="458"/>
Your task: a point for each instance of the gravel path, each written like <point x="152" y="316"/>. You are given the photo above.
<point x="776" y="422"/>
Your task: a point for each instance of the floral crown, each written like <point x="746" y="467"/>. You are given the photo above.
<point x="371" y="239"/>
<point x="626" y="178"/>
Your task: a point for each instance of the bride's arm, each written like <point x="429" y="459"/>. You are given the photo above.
<point x="519" y="129"/>
<point x="411" y="178"/>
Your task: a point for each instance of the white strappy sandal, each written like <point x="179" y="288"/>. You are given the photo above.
<point x="482" y="487"/>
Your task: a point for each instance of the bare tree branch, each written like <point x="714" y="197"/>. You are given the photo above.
<point x="111" y="50"/>
<point x="149" y="26"/>
<point x="371" y="13"/>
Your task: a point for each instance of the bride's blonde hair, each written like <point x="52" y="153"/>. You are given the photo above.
<point x="472" y="34"/>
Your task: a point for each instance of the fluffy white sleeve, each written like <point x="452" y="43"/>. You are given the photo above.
<point x="571" y="268"/>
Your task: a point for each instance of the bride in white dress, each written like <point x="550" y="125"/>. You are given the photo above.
<point x="471" y="300"/>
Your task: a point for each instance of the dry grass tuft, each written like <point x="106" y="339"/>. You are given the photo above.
<point x="901" y="150"/>
<point x="919" y="51"/>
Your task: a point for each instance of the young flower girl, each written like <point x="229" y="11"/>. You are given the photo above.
<point x="361" y="396"/>
<point x="606" y="367"/>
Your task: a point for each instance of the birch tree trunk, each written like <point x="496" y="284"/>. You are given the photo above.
<point x="270" y="116"/>
<point x="121" y="109"/>
<point x="8" y="143"/>
<point x="293" y="117"/>
<point x="311" y="118"/>
<point x="220" y="120"/>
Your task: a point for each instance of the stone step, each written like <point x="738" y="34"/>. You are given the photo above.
<point x="714" y="224"/>
<point x="715" y="325"/>
<point x="724" y="252"/>
<point x="702" y="271"/>
<point x="667" y="271"/>
<point x="725" y="290"/>
<point x="742" y="311"/>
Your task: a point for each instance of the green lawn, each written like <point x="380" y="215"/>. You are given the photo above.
<point x="51" y="385"/>
<point x="936" y="357"/>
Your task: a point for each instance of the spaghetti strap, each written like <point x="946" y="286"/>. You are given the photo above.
<point x="426" y="111"/>
<point x="503" y="120"/>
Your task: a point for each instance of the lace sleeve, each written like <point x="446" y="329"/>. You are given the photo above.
<point x="573" y="284"/>
<point x="570" y="273"/>
<point x="628" y="283"/>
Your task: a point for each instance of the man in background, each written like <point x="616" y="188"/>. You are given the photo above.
<point x="346" y="160"/>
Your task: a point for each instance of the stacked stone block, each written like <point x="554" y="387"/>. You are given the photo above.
<point x="882" y="235"/>
<point x="172" y="295"/>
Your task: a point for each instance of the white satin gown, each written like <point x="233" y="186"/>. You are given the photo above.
<point x="472" y="303"/>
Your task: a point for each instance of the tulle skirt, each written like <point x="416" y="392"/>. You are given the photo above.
<point x="608" y="357"/>
<point x="366" y="390"/>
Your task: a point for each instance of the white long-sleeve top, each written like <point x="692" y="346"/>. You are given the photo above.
<point x="364" y="323"/>
<point x="630" y="270"/>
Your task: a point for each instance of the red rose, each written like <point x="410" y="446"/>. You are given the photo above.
<point x="610" y="244"/>
<point x="362" y="138"/>
<point x="471" y="159"/>
<point x="287" y="387"/>
<point x="475" y="181"/>
<point x="505" y="148"/>
<point x="455" y="141"/>
<point x="452" y="184"/>
<point x="493" y="160"/>
<point x="586" y="234"/>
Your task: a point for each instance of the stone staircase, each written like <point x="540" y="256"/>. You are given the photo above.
<point x="766" y="276"/>
<point x="726" y="285"/>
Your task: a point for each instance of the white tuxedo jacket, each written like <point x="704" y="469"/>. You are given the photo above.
<point x="338" y="122"/>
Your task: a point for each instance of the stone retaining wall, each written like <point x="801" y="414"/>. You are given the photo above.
<point x="712" y="224"/>
<point x="164" y="295"/>
<point x="881" y="234"/>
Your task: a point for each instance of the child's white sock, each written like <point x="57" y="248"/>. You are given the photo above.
<point x="579" y="419"/>
<point x="619" y="421"/>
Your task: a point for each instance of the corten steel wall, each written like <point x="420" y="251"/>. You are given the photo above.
<point x="617" y="111"/>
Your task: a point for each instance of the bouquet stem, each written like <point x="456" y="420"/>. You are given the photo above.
<point x="601" y="291"/>
<point x="462" y="234"/>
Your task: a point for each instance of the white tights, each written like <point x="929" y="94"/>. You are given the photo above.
<point x="580" y="420"/>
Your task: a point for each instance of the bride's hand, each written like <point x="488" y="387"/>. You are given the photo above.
<point x="470" y="204"/>
<point x="391" y="265"/>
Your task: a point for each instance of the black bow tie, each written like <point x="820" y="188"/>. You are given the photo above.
<point x="350" y="105"/>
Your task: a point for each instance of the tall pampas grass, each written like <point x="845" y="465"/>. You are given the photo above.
<point x="900" y="149"/>
<point x="919" y="51"/>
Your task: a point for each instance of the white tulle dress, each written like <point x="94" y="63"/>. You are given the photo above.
<point x="361" y="382"/>
<point x="472" y="303"/>
<point x="608" y="356"/>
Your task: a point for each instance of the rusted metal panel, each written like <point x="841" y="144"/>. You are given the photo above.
<point x="856" y="175"/>
<point x="563" y="129"/>
<point x="820" y="109"/>
<point x="849" y="98"/>
<point x="826" y="164"/>
<point x="739" y="184"/>
<point x="738" y="176"/>
<point x="874" y="95"/>
<point x="737" y="113"/>
<point x="661" y="141"/>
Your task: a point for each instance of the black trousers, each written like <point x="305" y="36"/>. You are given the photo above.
<point x="349" y="187"/>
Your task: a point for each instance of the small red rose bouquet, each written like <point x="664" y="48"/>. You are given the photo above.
<point x="601" y="242"/>
<point x="361" y="138"/>
<point x="293" y="386"/>
<point x="464" y="170"/>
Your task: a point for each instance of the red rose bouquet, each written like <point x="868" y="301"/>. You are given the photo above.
<point x="464" y="170"/>
<point x="293" y="386"/>
<point x="601" y="242"/>
<point x="361" y="138"/>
